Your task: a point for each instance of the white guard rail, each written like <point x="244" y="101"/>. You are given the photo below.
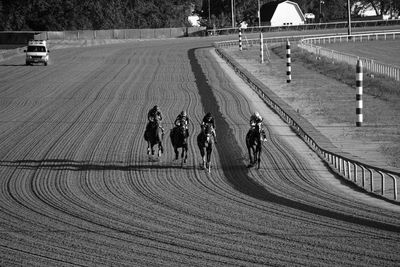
<point x="312" y="45"/>
<point x="379" y="181"/>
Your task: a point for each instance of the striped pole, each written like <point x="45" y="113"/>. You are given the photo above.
<point x="240" y="39"/>
<point x="359" y="88"/>
<point x="289" y="68"/>
<point x="261" y="48"/>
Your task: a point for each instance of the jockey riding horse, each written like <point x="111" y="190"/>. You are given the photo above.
<point x="154" y="132"/>
<point x="254" y="138"/>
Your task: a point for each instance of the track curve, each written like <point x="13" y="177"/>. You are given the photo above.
<point x="77" y="187"/>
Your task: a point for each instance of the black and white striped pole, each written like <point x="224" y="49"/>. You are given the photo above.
<point x="261" y="48"/>
<point x="288" y="63"/>
<point x="359" y="88"/>
<point x="240" y="39"/>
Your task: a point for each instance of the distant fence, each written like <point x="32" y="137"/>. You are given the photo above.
<point x="16" y="38"/>
<point x="268" y="40"/>
<point x="383" y="182"/>
<point x="392" y="71"/>
<point x="23" y="37"/>
<point x="306" y="27"/>
<point x="123" y="34"/>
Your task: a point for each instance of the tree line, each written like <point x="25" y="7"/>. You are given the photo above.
<point x="58" y="15"/>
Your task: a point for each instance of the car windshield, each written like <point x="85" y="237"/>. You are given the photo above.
<point x="35" y="48"/>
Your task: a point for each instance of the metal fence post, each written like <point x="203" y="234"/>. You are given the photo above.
<point x="240" y="39"/>
<point x="288" y="63"/>
<point x="261" y="48"/>
<point x="359" y="85"/>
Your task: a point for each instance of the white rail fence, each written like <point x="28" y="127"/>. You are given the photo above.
<point x="331" y="26"/>
<point x="312" y="45"/>
<point x="371" y="178"/>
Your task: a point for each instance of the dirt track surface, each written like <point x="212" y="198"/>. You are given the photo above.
<point x="77" y="188"/>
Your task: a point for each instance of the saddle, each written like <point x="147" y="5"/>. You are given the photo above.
<point x="254" y="131"/>
<point x="183" y="128"/>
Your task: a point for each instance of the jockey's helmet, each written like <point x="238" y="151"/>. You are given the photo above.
<point x="183" y="113"/>
<point x="256" y="114"/>
<point x="156" y="108"/>
<point x="208" y="115"/>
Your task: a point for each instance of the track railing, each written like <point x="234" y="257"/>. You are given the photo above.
<point x="268" y="40"/>
<point x="382" y="182"/>
<point x="307" y="26"/>
<point x="313" y="45"/>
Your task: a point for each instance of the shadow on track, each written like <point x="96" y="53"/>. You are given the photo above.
<point x="12" y="65"/>
<point x="228" y="150"/>
<point x="71" y="165"/>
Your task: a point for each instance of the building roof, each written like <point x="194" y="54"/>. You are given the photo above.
<point x="267" y="10"/>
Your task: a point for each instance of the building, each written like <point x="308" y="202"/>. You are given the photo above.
<point x="281" y="13"/>
<point x="194" y="20"/>
<point x="364" y="10"/>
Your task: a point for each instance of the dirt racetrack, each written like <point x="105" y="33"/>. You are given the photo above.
<point x="77" y="188"/>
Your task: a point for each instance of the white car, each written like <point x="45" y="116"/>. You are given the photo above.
<point x="37" y="52"/>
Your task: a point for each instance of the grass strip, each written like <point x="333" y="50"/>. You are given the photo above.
<point x="376" y="85"/>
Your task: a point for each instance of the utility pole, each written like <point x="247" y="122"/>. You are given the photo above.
<point x="209" y="12"/>
<point x="259" y="15"/>
<point x="349" y="16"/>
<point x="233" y="13"/>
<point x="320" y="15"/>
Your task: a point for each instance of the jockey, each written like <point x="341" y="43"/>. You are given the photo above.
<point x="209" y="120"/>
<point x="154" y="115"/>
<point x="182" y="118"/>
<point x="256" y="119"/>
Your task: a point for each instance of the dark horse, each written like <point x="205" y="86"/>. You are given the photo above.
<point x="205" y="142"/>
<point x="179" y="137"/>
<point x="254" y="145"/>
<point x="154" y="136"/>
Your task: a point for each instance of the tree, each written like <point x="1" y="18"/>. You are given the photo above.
<point x="383" y="7"/>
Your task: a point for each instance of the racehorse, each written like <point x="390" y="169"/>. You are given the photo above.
<point x="179" y="137"/>
<point x="154" y="136"/>
<point x="205" y="142"/>
<point x="254" y="145"/>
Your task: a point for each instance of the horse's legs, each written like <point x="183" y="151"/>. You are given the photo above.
<point x="259" y="156"/>
<point x="176" y="152"/>
<point x="148" y="148"/>
<point x="185" y="149"/>
<point x="160" y="149"/>
<point x="209" y="149"/>
<point x="203" y="156"/>
<point x="250" y="155"/>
